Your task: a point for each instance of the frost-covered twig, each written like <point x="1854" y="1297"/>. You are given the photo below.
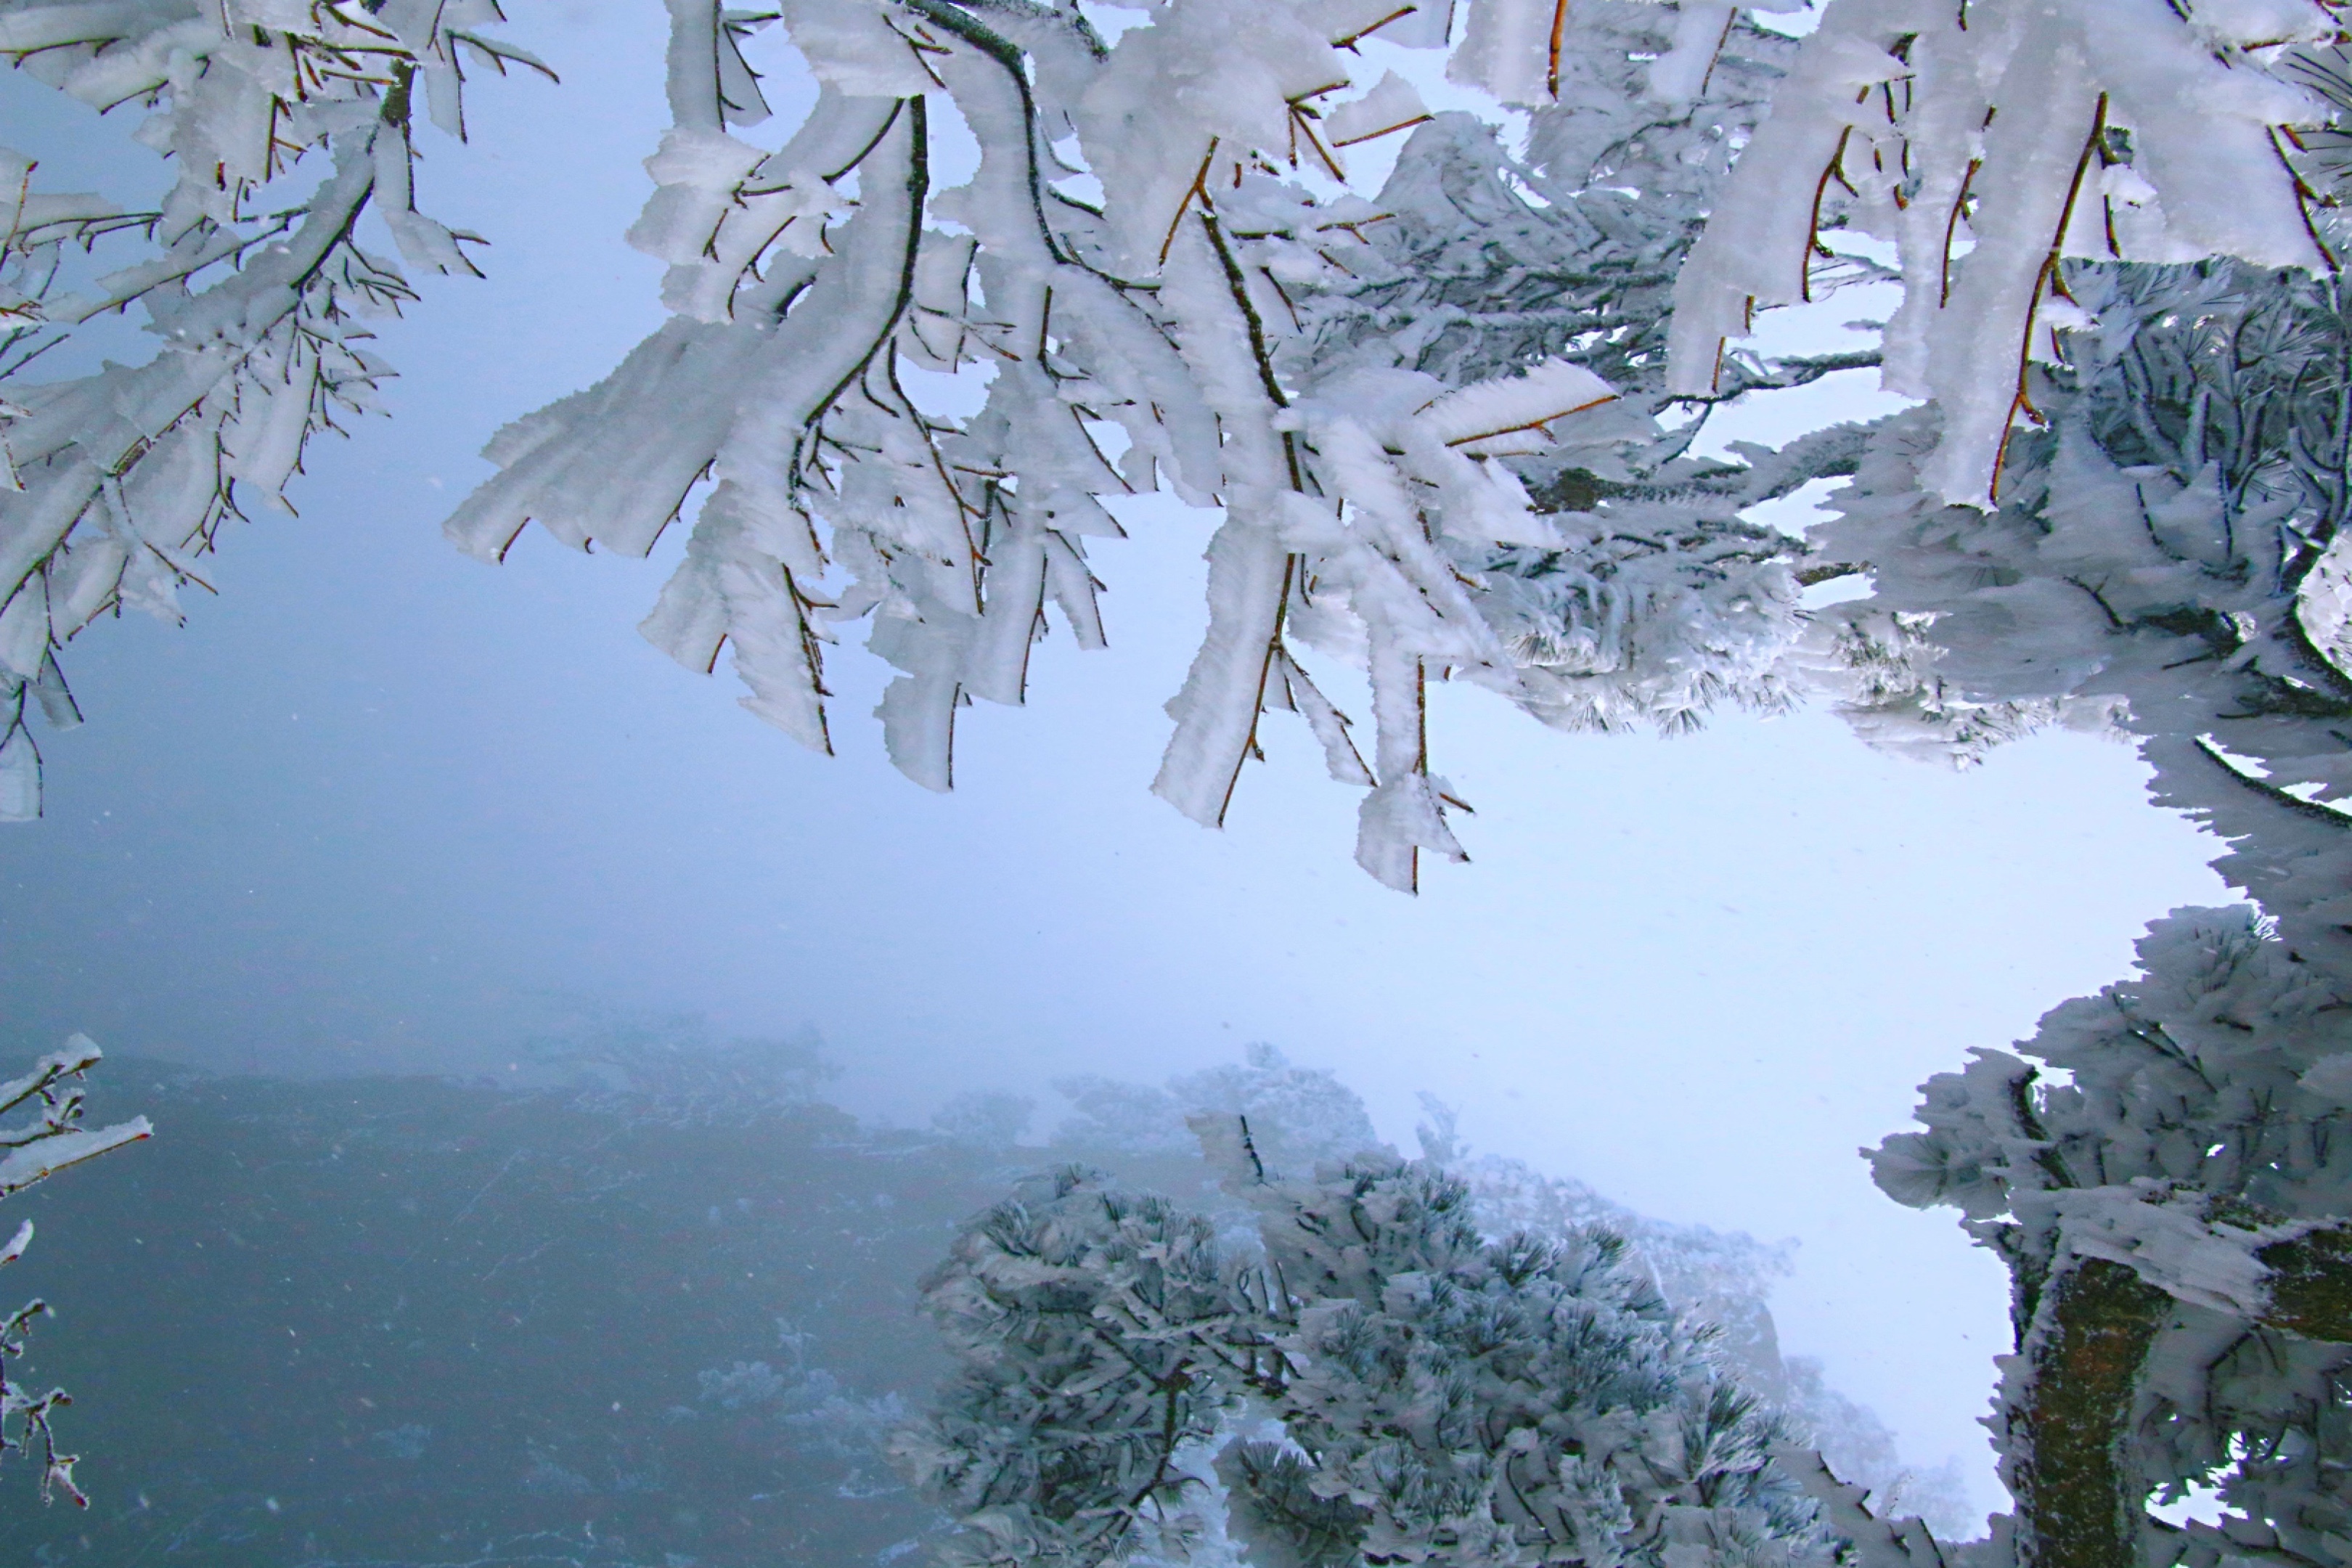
<point x="54" y="1141"/>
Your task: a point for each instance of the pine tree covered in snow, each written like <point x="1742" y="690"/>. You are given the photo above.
<point x="2155" y="1166"/>
<point x="1364" y="1376"/>
<point x="1304" y="1119"/>
<point x="2157" y="556"/>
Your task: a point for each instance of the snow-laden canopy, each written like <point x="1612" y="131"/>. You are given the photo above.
<point x="1448" y="423"/>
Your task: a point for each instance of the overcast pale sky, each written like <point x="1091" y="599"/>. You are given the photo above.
<point x="379" y="804"/>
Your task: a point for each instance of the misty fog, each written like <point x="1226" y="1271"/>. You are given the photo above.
<point x="561" y="1083"/>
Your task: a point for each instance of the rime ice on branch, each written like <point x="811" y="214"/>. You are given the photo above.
<point x="113" y="485"/>
<point x="1368" y="387"/>
<point x="1991" y="140"/>
<point x="2163" y="1168"/>
<point x="2158" y="1166"/>
<point x="37" y="1150"/>
<point x="1430" y="415"/>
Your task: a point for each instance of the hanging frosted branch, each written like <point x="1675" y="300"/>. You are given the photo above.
<point x="1191" y="329"/>
<point x="1991" y="141"/>
<point x="114" y="486"/>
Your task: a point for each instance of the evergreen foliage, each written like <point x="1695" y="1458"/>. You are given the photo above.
<point x="2163" y="1167"/>
<point x="1376" y="1380"/>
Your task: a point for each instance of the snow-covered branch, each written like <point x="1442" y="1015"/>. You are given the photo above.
<point x="113" y="485"/>
<point x="2163" y="1169"/>
<point x="2166" y="560"/>
<point x="1991" y="141"/>
<point x="1162" y="282"/>
<point x="51" y="1142"/>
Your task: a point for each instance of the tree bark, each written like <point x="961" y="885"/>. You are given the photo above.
<point x="2077" y="1504"/>
<point x="2311" y="1284"/>
<point x="2066" y="1467"/>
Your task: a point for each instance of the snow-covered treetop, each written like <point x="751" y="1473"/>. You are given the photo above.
<point x="1090" y="1327"/>
<point x="1379" y="1382"/>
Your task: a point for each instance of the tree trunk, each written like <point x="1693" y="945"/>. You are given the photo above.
<point x="2071" y="1492"/>
<point x="2077" y="1504"/>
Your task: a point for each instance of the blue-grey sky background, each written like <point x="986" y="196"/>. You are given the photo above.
<point x="378" y="806"/>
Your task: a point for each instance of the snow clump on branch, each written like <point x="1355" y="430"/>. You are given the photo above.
<point x="1169" y="285"/>
<point x="114" y="485"/>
